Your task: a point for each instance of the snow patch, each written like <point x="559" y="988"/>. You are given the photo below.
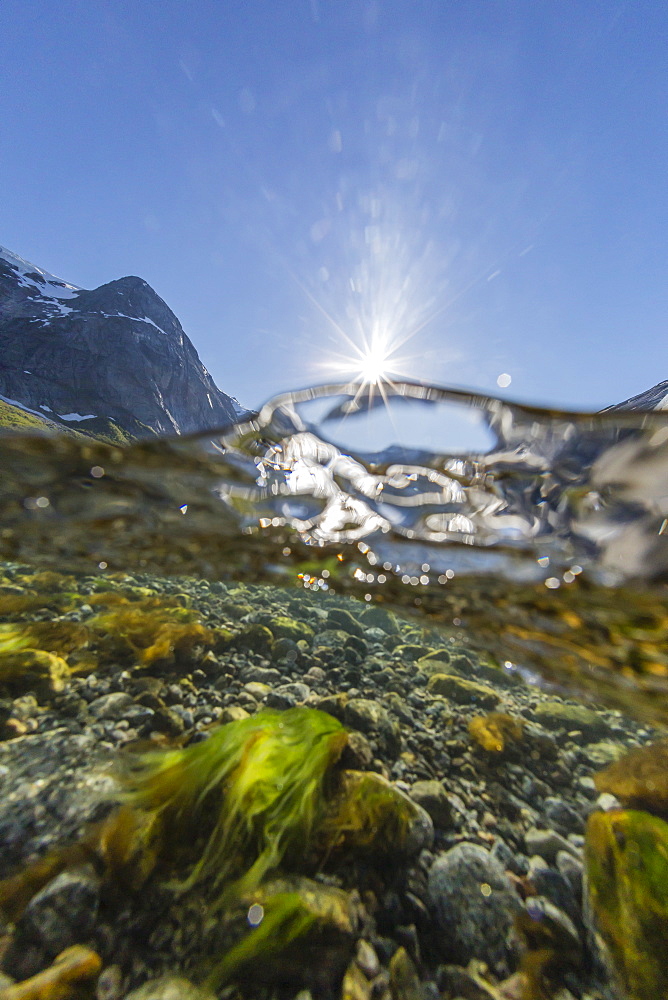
<point x="21" y="406"/>
<point x="50" y="287"/>
<point x="77" y="416"/>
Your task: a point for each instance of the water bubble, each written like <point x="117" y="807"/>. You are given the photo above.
<point x="255" y="914"/>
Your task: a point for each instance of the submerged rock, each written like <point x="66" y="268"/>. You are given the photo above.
<point x="463" y="691"/>
<point x="301" y="932"/>
<point x="73" y="970"/>
<point x="558" y="715"/>
<point x="626" y="855"/>
<point x="639" y="779"/>
<point x="369" y="814"/>
<point x="474" y="907"/>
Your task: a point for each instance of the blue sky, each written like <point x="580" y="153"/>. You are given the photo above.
<point x="286" y="175"/>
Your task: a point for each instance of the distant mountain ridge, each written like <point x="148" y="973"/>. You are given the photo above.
<point x="655" y="398"/>
<point x="112" y="357"/>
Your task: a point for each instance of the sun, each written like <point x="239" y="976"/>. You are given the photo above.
<point x="374" y="364"/>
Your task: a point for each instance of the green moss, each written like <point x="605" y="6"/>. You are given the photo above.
<point x="260" y="780"/>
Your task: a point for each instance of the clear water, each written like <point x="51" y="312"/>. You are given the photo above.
<point x="540" y="534"/>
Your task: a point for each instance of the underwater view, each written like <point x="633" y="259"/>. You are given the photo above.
<point x="361" y="697"/>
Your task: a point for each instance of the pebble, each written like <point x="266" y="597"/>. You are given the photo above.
<point x="547" y="843"/>
<point x="432" y="796"/>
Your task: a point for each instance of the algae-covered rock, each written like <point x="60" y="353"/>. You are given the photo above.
<point x="368" y="814"/>
<point x="463" y="691"/>
<point x="432" y="664"/>
<point x="302" y="932"/>
<point x="376" y="617"/>
<point x="639" y="779"/>
<point x="33" y="669"/>
<point x="258" y="785"/>
<point x="256" y="638"/>
<point x="626" y="855"/>
<point x="496" y="732"/>
<point x="557" y="715"/>
<point x="283" y="627"/>
<point x="404" y="979"/>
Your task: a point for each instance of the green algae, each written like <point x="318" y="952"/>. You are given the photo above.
<point x="626" y="853"/>
<point x="261" y="779"/>
<point x="284" y="919"/>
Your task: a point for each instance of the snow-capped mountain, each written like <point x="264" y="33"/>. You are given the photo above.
<point x="114" y="354"/>
<point x="655" y="398"/>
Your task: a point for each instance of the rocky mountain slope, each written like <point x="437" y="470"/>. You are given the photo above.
<point x="655" y="398"/>
<point x="113" y="360"/>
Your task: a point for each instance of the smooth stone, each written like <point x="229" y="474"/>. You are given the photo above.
<point x="339" y="618"/>
<point x="561" y="816"/>
<point x="474" y="906"/>
<point x="547" y="843"/>
<point x="557" y="715"/>
<point x="463" y="691"/>
<point x="432" y="796"/>
<point x="63" y="913"/>
<point x="258" y="690"/>
<point x="112" y="706"/>
<point x="380" y="618"/>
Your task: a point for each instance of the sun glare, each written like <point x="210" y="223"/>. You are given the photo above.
<point x="374" y="364"/>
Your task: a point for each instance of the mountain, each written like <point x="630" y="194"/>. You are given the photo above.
<point x="655" y="398"/>
<point x="112" y="361"/>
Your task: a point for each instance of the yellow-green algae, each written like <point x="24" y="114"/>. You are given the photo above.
<point x="261" y="779"/>
<point x="626" y="854"/>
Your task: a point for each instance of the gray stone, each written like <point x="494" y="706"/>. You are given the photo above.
<point x="432" y="796"/>
<point x="474" y="906"/>
<point x="54" y="784"/>
<point x="287" y="695"/>
<point x="334" y="638"/>
<point x="63" y="913"/>
<point x="547" y="843"/>
<point x="261" y="675"/>
<point x="562" y="817"/>
<point x="111" y="706"/>
<point x="338" y="618"/>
